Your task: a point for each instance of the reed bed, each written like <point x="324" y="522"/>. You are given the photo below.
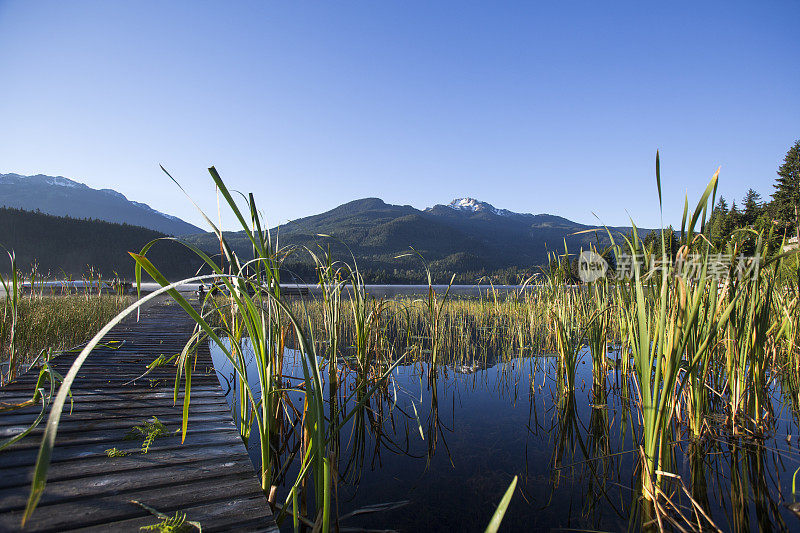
<point x="57" y="323"/>
<point x="36" y="319"/>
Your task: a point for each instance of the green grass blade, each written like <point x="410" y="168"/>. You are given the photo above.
<point x="500" y="512"/>
<point x="658" y="179"/>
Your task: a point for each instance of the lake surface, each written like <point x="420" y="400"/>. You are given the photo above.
<point x="476" y="427"/>
<point x="384" y="291"/>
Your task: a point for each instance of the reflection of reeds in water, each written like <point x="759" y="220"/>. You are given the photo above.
<point x="601" y="469"/>
<point x="567" y="437"/>
<point x="751" y="480"/>
<point x="434" y="425"/>
<point x="582" y="455"/>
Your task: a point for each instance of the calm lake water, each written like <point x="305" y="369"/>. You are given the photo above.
<point x="385" y="291"/>
<point x="477" y="427"/>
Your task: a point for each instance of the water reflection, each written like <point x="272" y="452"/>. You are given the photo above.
<point x="450" y="439"/>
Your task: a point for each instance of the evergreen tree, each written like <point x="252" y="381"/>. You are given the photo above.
<point x="68" y="247"/>
<point x="734" y="217"/>
<point x="718" y="224"/>
<point x="652" y="241"/>
<point x="752" y="207"/>
<point x="787" y="189"/>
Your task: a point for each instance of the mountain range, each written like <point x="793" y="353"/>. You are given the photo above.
<point x="56" y="195"/>
<point x="468" y="237"/>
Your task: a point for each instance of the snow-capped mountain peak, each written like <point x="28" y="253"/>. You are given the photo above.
<point x="58" y="181"/>
<point x="476" y="206"/>
<point x="467" y="204"/>
<point x="115" y="194"/>
<point x="61" y="181"/>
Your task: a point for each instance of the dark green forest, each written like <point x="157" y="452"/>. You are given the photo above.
<point x="61" y="247"/>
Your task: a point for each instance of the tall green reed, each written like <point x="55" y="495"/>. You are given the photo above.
<point x="433" y="305"/>
<point x="753" y="327"/>
<point x="566" y="319"/>
<point x="596" y="306"/>
<point x="660" y="323"/>
<point x="12" y="287"/>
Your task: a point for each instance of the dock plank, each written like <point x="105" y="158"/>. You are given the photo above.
<point x="209" y="476"/>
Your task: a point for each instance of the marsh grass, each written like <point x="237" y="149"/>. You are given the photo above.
<point x="35" y="319"/>
<point x="596" y="307"/>
<point x="567" y="323"/>
<point x="54" y="322"/>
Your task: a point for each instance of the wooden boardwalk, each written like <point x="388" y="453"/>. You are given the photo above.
<point x="209" y="477"/>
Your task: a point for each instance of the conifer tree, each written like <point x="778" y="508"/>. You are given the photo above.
<point x="752" y="207"/>
<point x="787" y="189"/>
<point x="718" y="224"/>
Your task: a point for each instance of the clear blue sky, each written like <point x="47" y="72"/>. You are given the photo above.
<point x="552" y="107"/>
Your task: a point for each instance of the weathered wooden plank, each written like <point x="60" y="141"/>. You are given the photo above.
<point x="169" y="419"/>
<point x="135" y="393"/>
<point x="209" y="476"/>
<point x="100" y="413"/>
<point x="109" y="480"/>
<point x="116" y="507"/>
<point x="22" y="475"/>
<point x="107" y="436"/>
<point x="231" y="515"/>
<point x="70" y="453"/>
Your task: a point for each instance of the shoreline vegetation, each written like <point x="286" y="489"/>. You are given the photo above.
<point x="38" y="322"/>
<point x="698" y="332"/>
<point x="58" y="323"/>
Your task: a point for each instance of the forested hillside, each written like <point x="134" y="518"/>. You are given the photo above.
<point x="68" y="246"/>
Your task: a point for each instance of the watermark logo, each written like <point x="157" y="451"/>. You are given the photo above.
<point x="691" y="266"/>
<point x="591" y="266"/>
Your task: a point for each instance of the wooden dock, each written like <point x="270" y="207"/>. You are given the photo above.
<point x="209" y="477"/>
